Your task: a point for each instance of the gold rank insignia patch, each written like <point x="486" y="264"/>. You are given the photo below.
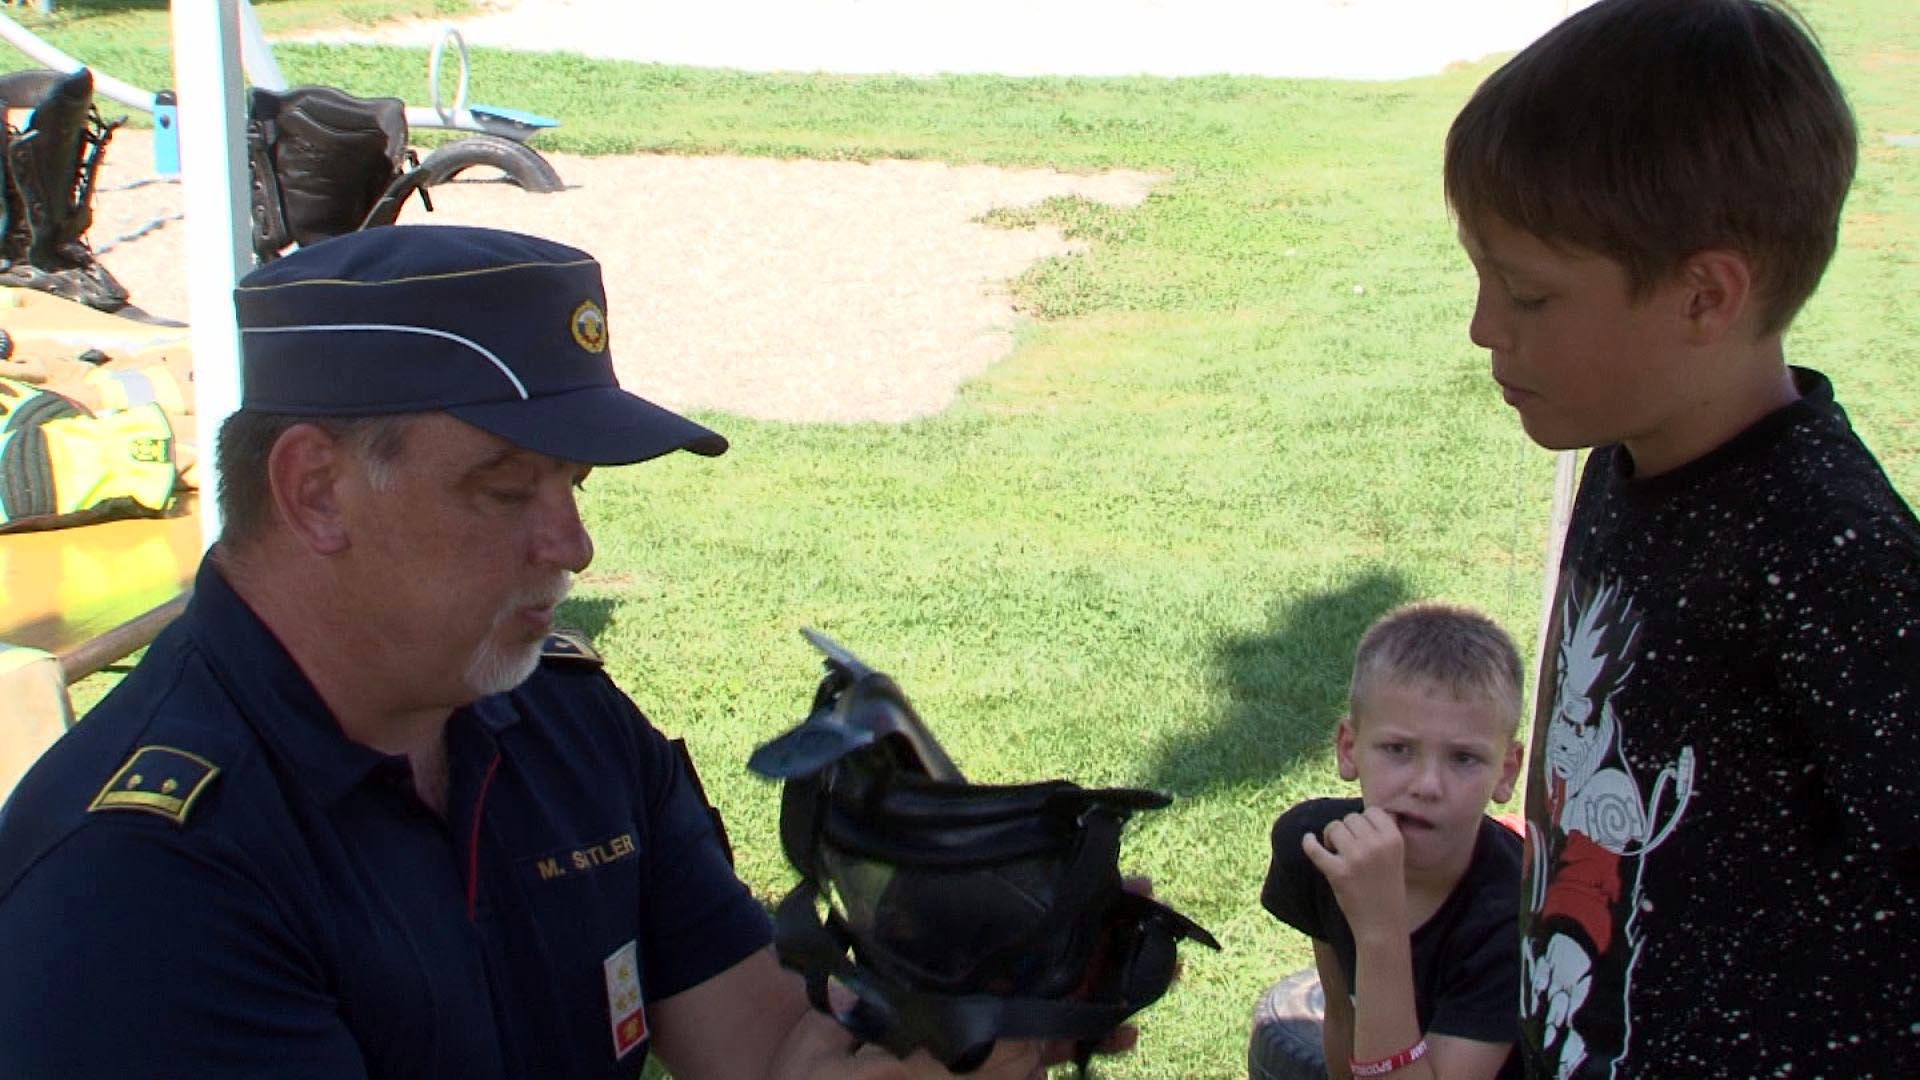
<point x="565" y="644"/>
<point x="158" y="780"/>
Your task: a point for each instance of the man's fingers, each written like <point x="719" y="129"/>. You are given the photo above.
<point x="1012" y="1059"/>
<point x="1118" y="1041"/>
<point x="820" y="1049"/>
<point x="872" y="1062"/>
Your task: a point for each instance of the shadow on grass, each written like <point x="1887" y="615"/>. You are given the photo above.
<point x="590" y="615"/>
<point x="1285" y="689"/>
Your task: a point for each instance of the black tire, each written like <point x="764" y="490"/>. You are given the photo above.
<point x="521" y="163"/>
<point x="1286" y="1030"/>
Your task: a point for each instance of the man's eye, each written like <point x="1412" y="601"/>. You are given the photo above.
<point x="510" y="496"/>
<point x="1527" y="303"/>
<point x="1393" y="748"/>
<point x="1466" y="759"/>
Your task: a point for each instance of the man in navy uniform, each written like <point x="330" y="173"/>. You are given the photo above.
<point x="357" y="813"/>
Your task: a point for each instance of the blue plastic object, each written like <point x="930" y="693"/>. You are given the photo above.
<point x="513" y="118"/>
<point x="166" y="134"/>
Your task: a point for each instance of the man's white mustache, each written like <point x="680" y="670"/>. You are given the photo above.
<point x="547" y="597"/>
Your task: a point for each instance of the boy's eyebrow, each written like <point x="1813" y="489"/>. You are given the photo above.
<point x="1503" y="266"/>
<point x="1478" y="253"/>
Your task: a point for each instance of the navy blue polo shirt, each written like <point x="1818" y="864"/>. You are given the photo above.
<point x="205" y="878"/>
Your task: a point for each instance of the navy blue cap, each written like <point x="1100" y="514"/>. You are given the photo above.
<point x="505" y="331"/>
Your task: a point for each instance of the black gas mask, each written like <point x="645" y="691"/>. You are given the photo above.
<point x="956" y="914"/>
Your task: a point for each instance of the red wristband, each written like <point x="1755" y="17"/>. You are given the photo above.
<point x="1388" y="1064"/>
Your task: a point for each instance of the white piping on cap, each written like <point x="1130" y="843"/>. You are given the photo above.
<point x="518" y="387"/>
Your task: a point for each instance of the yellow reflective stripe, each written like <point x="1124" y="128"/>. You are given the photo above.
<point x="123" y="455"/>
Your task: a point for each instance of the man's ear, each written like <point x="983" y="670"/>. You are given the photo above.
<point x="1343" y="740"/>
<point x="1510" y="763"/>
<point x="304" y="471"/>
<point x="1717" y="291"/>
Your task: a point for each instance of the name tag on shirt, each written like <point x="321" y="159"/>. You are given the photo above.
<point x="571" y="862"/>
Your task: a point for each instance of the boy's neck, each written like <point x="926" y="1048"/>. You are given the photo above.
<point x="1427" y="891"/>
<point x="1735" y="393"/>
<point x="1423" y="901"/>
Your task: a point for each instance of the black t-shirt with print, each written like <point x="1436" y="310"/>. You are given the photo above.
<point x="1466" y="964"/>
<point x="1722" y="801"/>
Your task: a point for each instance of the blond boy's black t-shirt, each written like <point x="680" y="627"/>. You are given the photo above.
<point x="1466" y="961"/>
<point x="1724" y="784"/>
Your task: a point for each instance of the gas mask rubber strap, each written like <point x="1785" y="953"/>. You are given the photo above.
<point x="800" y="824"/>
<point x="882" y="1014"/>
<point x="805" y="944"/>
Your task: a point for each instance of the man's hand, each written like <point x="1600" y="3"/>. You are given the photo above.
<point x="1362" y="859"/>
<point x="820" y="1049"/>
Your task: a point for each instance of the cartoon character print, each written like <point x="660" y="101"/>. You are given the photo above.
<point x="1583" y="870"/>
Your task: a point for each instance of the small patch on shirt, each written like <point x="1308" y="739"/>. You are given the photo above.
<point x="569" y="646"/>
<point x="625" y="1010"/>
<point x="157" y="780"/>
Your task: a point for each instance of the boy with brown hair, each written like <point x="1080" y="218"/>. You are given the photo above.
<point x="1723" y="809"/>
<point x="1409" y="891"/>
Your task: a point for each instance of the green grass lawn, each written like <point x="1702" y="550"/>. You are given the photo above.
<point x="1138" y="551"/>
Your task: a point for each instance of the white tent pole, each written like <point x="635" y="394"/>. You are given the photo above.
<point x="1565" y="479"/>
<point x="213" y="171"/>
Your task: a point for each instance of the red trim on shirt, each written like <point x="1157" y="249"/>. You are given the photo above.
<point x="473" y="840"/>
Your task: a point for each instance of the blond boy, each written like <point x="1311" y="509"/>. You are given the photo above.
<point x="1409" y="892"/>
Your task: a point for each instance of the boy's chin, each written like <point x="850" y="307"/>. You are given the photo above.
<point x="1548" y="437"/>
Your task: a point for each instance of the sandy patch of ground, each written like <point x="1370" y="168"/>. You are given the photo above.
<point x="1345" y="39"/>
<point x="788" y="290"/>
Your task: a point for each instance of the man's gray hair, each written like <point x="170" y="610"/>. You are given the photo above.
<point x="244" y="492"/>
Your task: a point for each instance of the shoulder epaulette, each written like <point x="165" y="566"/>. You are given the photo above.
<point x="157" y="780"/>
<point x="569" y="645"/>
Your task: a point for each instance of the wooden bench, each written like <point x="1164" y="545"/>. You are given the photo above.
<point x="88" y="597"/>
<point x="95" y="594"/>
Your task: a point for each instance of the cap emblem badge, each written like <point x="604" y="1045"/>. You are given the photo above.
<point x="589" y="327"/>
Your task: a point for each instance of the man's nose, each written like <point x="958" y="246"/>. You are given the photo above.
<point x="563" y="539"/>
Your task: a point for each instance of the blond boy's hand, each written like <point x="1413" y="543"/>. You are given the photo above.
<point x="1362" y="859"/>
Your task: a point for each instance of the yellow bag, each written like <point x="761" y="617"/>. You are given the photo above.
<point x="78" y="468"/>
